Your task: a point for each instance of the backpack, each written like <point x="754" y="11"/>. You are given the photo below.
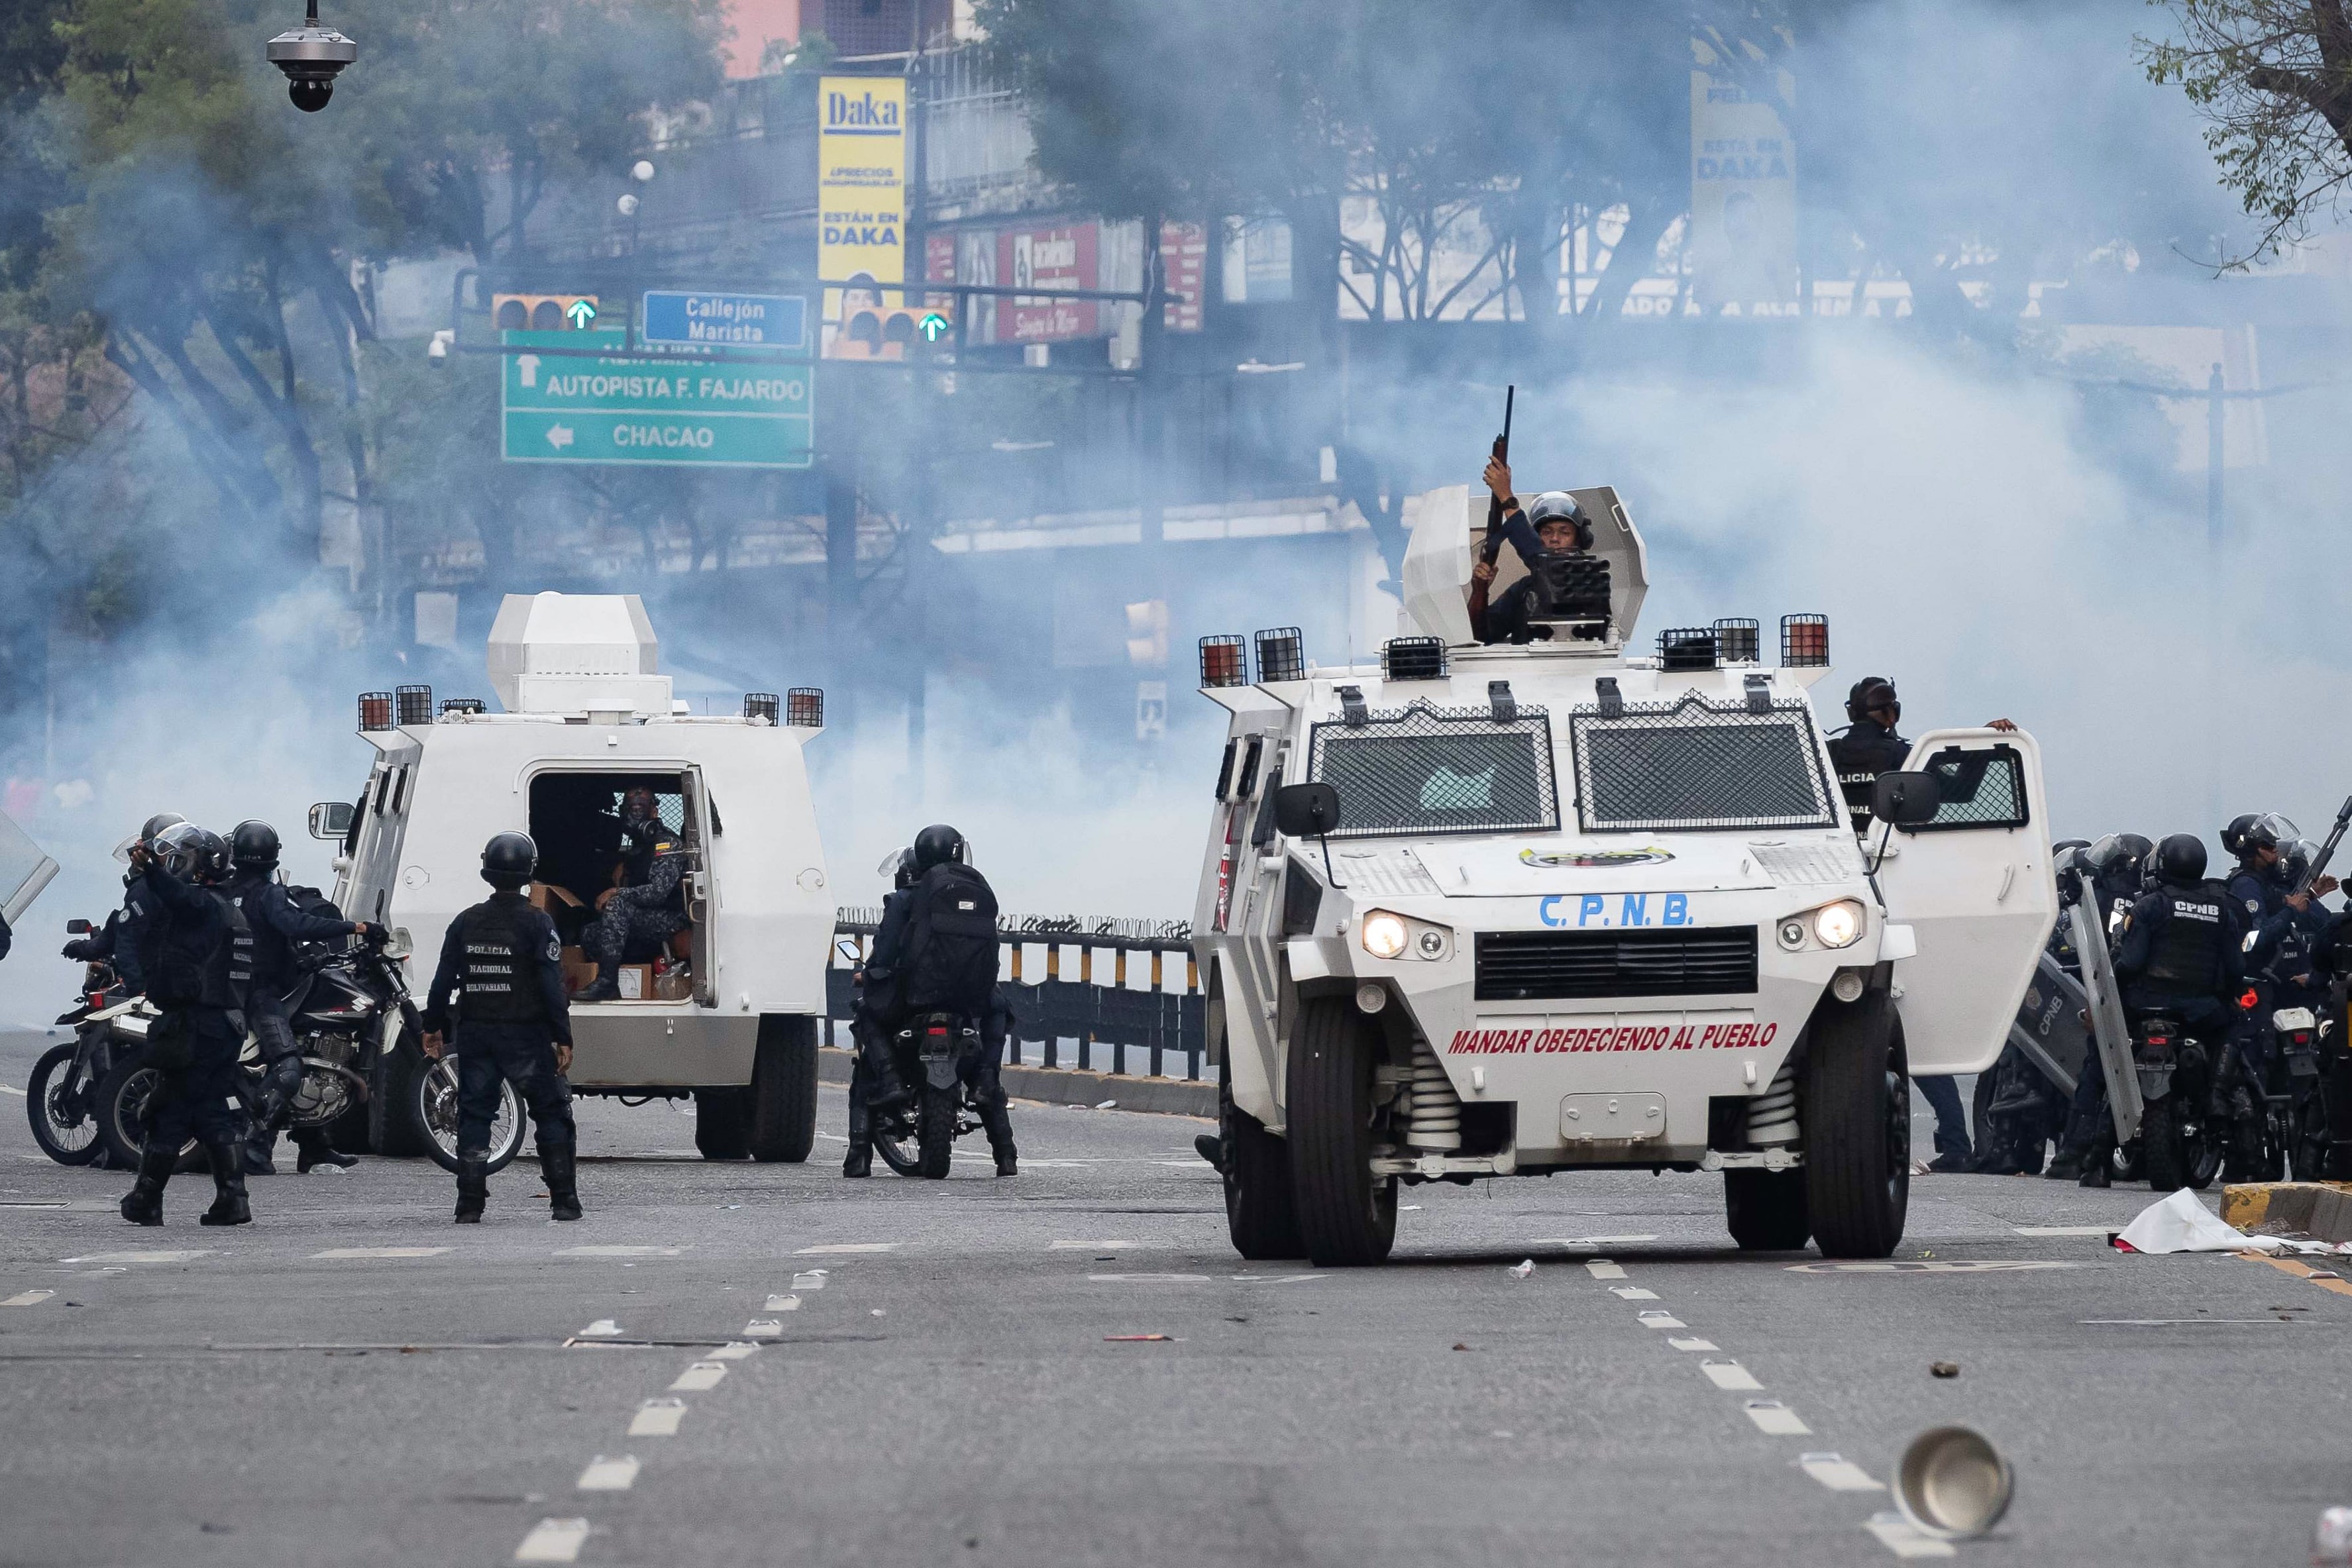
<point x="311" y="901"/>
<point x="952" y="942"/>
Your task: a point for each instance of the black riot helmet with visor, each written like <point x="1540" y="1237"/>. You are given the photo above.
<point x="2268" y="831"/>
<point x="938" y="845"/>
<point x="253" y="845"/>
<point x="2180" y="859"/>
<point x="899" y="866"/>
<point x="2117" y="855"/>
<point x="2294" y="860"/>
<point x="2233" y="835"/>
<point x="509" y="860"/>
<point x="147" y="833"/>
<point x="192" y="854"/>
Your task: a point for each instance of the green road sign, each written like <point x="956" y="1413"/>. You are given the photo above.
<point x="682" y="409"/>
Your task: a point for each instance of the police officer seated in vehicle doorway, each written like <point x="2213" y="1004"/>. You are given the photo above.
<point x="640" y="916"/>
<point x="504" y="966"/>
<point x="935" y="951"/>
<point x="197" y="957"/>
<point x="1554" y="525"/>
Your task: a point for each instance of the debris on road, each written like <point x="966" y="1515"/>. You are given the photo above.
<point x="2331" y="1539"/>
<point x="1106" y="1104"/>
<point x="2182" y="1224"/>
<point x="1944" y="1368"/>
<point x="1138" y="1339"/>
<point x="1522" y="1268"/>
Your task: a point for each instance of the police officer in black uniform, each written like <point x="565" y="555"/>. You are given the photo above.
<point x="117" y="943"/>
<point x="1554" y="523"/>
<point x="504" y="963"/>
<point x="872" y="1074"/>
<point x="253" y="888"/>
<point x="197" y="957"/>
<point x="649" y="906"/>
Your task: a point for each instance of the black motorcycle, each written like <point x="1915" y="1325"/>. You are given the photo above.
<point x="62" y="1097"/>
<point x="2176" y="1081"/>
<point x="915" y="1129"/>
<point x="2297" y="1122"/>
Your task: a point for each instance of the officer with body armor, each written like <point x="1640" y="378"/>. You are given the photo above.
<point x="198" y="958"/>
<point x="2285" y="967"/>
<point x="503" y="965"/>
<point x="2259" y="885"/>
<point x="648" y="908"/>
<point x="1552" y="525"/>
<point x="276" y="924"/>
<point x="117" y="943"/>
<point x="935" y="951"/>
<point x="873" y="1076"/>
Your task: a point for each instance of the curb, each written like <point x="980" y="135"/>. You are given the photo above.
<point x="1068" y="1086"/>
<point x="2319" y="1210"/>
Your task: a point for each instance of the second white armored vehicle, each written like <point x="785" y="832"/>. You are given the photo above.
<point x="727" y="1010"/>
<point x="1480" y="911"/>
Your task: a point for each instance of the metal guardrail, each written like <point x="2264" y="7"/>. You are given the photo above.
<point x="1112" y="1016"/>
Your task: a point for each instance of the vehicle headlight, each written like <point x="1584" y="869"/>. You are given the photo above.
<point x="1384" y="934"/>
<point x="1838" y="924"/>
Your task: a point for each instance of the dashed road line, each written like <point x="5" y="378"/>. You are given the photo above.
<point x="143" y="1255"/>
<point x="763" y="1328"/>
<point x="734" y="1349"/>
<point x="1603" y="1269"/>
<point x="343" y="1252"/>
<point x="2100" y="1230"/>
<point x="1930" y="1266"/>
<point x="602" y="1328"/>
<point x="658" y="1418"/>
<point x="609" y="1475"/>
<point x="812" y="1281"/>
<point x="830" y="1246"/>
<point x="783" y="1303"/>
<point x="1658" y="1319"/>
<point x="1633" y="1294"/>
<point x="1903" y="1538"/>
<point x="1148" y="1278"/>
<point x="27" y="1299"/>
<point x="1694" y="1342"/>
<point x="1092" y="1245"/>
<point x="553" y="1541"/>
<point x="619" y="1252"/>
<point x="1775" y="1420"/>
<point x="1731" y="1375"/>
<point x="699" y="1378"/>
<point x="1839" y="1473"/>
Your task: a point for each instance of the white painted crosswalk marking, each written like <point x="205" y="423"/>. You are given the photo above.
<point x="27" y="1299"/>
<point x="143" y="1255"/>
<point x="1603" y="1269"/>
<point x="701" y="1375"/>
<point x="812" y="1281"/>
<point x="602" y="1328"/>
<point x="1656" y="1319"/>
<point x="762" y="1328"/>
<point x="609" y="1475"/>
<point x="1092" y="1245"/>
<point x="1730" y="1375"/>
<point x="783" y="1303"/>
<point x="734" y="1349"/>
<point x="379" y="1251"/>
<point x="1776" y="1420"/>
<point x="846" y="1247"/>
<point x="553" y="1541"/>
<point x="1839" y="1473"/>
<point x="1694" y="1342"/>
<point x="1633" y="1294"/>
<point x="619" y="1252"/>
<point x="1903" y="1539"/>
<point x="658" y="1418"/>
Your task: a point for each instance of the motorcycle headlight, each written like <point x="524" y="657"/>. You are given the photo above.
<point x="1838" y="924"/>
<point x="1384" y="934"/>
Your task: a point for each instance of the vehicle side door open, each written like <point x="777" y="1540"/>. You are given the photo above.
<point x="1973" y="881"/>
<point x="698" y="886"/>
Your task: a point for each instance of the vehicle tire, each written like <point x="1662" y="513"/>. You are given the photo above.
<point x="1857" y="1119"/>
<point x="722" y="1119"/>
<point x="1766" y="1211"/>
<point x="784" y="1089"/>
<point x="2123" y="1163"/>
<point x="2309" y="1139"/>
<point x="2205" y="1152"/>
<point x="430" y="1110"/>
<point x="2162" y="1155"/>
<point x="122" y="1114"/>
<point x="50" y="1102"/>
<point x="897" y="1140"/>
<point x="1347" y="1216"/>
<point x="1260" y="1214"/>
<point x="936" y="1130"/>
<point x="392" y="1090"/>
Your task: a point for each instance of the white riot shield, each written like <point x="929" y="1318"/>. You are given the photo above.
<point x="2048" y="1028"/>
<point x="25" y="869"/>
<point x="2109" y="1033"/>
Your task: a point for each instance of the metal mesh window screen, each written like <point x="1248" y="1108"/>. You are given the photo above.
<point x="1426" y="769"/>
<point x="1691" y="765"/>
<point x="1976" y="790"/>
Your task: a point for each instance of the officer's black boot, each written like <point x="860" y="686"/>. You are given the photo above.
<point x="143" y="1204"/>
<point x="602" y="989"/>
<point x="1212" y="1148"/>
<point x="229" y="1205"/>
<point x="557" y="1165"/>
<point x="473" y="1186"/>
<point x="860" y="1160"/>
<point x="2067" y="1166"/>
<point x="315" y="1149"/>
<point x="257" y="1150"/>
<point x="2098" y="1163"/>
<point x="999" y="1123"/>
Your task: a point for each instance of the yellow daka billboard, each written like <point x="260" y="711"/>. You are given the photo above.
<point x="861" y="152"/>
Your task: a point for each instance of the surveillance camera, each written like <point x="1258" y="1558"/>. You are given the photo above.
<point x="312" y="56"/>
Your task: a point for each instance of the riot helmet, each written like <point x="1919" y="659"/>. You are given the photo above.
<point x="2233" y="836"/>
<point x="2117" y="855"/>
<point x="1870" y="692"/>
<point x="147" y="832"/>
<point x="2294" y="860"/>
<point x="2180" y="858"/>
<point x="898" y="865"/>
<point x="2269" y="831"/>
<point x="253" y="845"/>
<point x="509" y="859"/>
<point x="938" y="845"/>
<point x="192" y="854"/>
<point x="1560" y="506"/>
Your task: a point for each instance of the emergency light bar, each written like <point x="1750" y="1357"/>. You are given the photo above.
<point x="1281" y="655"/>
<point x="1224" y="661"/>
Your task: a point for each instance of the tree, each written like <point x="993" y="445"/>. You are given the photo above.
<point x="2274" y="79"/>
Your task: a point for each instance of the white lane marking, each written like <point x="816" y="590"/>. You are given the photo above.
<point x="620" y="1251"/>
<point x="1775" y="1420"/>
<point x="812" y="1281"/>
<point x="553" y="1541"/>
<point x="609" y="1475"/>
<point x="783" y="1303"/>
<point x="27" y="1299"/>
<point x="1603" y="1269"/>
<point x="1732" y="1376"/>
<point x="12" y="1089"/>
<point x="762" y="1328"/>
<point x="848" y="1247"/>
<point x="1091" y="1245"/>
<point x="701" y="1375"/>
<point x="1920" y="1266"/>
<point x="2100" y="1230"/>
<point x="602" y="1328"/>
<point x="1839" y="1473"/>
<point x="1633" y="1294"/>
<point x="149" y="1255"/>
<point x="1590" y="1240"/>
<point x="1149" y="1278"/>
<point x="379" y="1251"/>
<point x="56" y="1203"/>
<point x="658" y="1418"/>
<point x="1899" y="1535"/>
<point x="1654" y="1319"/>
<point x="1694" y="1343"/>
<point x="1272" y="1279"/>
<point x="734" y="1349"/>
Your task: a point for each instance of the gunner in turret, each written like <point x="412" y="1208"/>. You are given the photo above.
<point x="1553" y="524"/>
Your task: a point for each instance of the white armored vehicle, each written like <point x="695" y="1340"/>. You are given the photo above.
<point x="1480" y="911"/>
<point x="727" y="1009"/>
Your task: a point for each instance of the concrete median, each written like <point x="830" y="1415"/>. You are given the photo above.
<point x="2321" y="1210"/>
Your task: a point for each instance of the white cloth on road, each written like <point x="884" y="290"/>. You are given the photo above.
<point x="2181" y="1224"/>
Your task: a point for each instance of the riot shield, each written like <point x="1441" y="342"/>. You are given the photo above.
<point x="23" y="870"/>
<point x="2048" y="1029"/>
<point x="2109" y="1033"/>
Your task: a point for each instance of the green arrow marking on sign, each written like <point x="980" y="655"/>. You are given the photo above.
<point x="935" y="326"/>
<point x="581" y="313"/>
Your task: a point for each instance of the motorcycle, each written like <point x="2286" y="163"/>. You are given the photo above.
<point x="2175" y="1082"/>
<point x="61" y="1098"/>
<point x="915" y="1131"/>
<point x="2297" y="1119"/>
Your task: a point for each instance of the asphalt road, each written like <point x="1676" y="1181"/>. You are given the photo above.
<point x="936" y="1378"/>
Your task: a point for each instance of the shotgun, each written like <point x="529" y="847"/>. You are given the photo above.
<point x="1493" y="546"/>
<point x="2327" y="851"/>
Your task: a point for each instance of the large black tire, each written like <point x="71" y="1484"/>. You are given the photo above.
<point x="1766" y="1211"/>
<point x="392" y="1088"/>
<point x="2164" y="1153"/>
<point x="122" y="1114"/>
<point x="1857" y="1107"/>
<point x="67" y="1139"/>
<point x="784" y="1089"/>
<point x="1347" y="1216"/>
<point x="935" y="1130"/>
<point x="1260" y="1215"/>
<point x="722" y="1123"/>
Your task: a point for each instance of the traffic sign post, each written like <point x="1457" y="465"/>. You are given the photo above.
<point x="679" y="410"/>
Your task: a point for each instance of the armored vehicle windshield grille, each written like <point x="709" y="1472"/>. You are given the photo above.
<point x="1530" y="966"/>
<point x="1423" y="770"/>
<point x="1690" y="764"/>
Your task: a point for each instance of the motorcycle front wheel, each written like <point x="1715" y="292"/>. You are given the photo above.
<point x="61" y="1109"/>
<point x="432" y="1107"/>
<point x="122" y="1096"/>
<point x="895" y="1140"/>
